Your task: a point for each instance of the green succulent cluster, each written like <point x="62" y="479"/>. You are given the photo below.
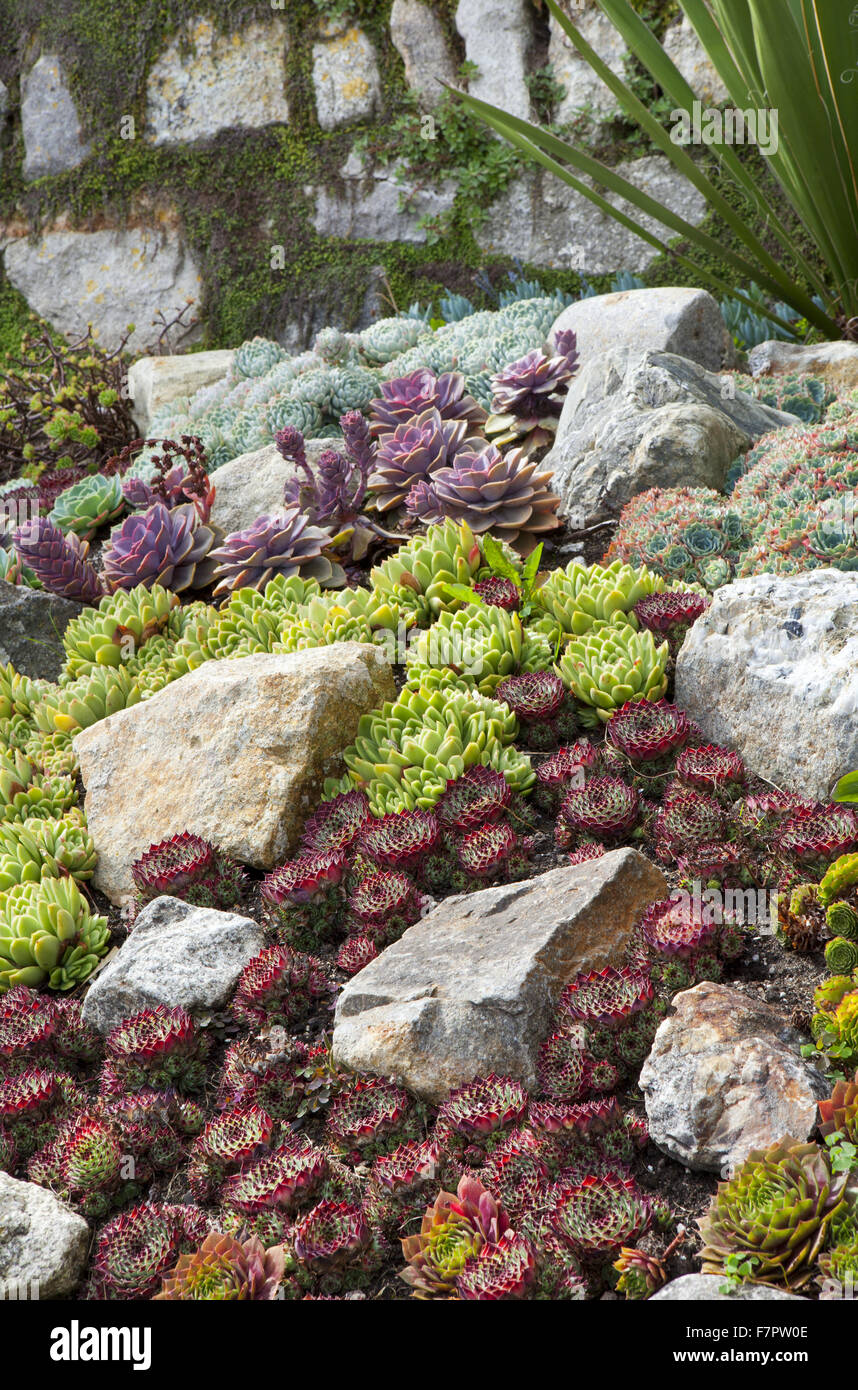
<point x="417" y="577"/>
<point x="351" y="615"/>
<point x="482" y="645"/>
<point x="87" y="700"/>
<point x="405" y="752"/>
<point x="611" y="664"/>
<point x="48" y="935"/>
<point x="574" y="600"/>
<point x="25" y="792"/>
<point x="113" y="632"/>
<point x="36" y="849"/>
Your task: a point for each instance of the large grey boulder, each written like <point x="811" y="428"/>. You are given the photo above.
<point x="711" y="1288"/>
<point x="346" y="79"/>
<point x="236" y="751"/>
<point x="725" y="1076"/>
<point x="205" y="81"/>
<point x="156" y="381"/>
<point x="109" y="278"/>
<point x="471" y="988"/>
<point x="43" y="1245"/>
<point x="251" y="485"/>
<point x="836" y="363"/>
<point x="680" y="320"/>
<point x="419" y="38"/>
<point x="634" y="420"/>
<point x="32" y="623"/>
<point x="771" y="669"/>
<point x="176" y="955"/>
<point x="53" y="138"/>
<point x="498" y="36"/>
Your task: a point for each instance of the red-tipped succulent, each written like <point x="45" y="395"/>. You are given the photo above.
<point x="226" y="1144"/>
<point x="371" y="1117"/>
<point x="480" y="795"/>
<point x="284" y="1180"/>
<point x="589" y="851"/>
<point x="28" y="1022"/>
<point x="818" y="835"/>
<point x="648" y="731"/>
<point x="606" y="998"/>
<point x="711" y="768"/>
<point x="599" y="1215"/>
<point x="485" y="852"/>
<point x="155" y="1049"/>
<point x="188" y="867"/>
<point x="134" y="1249"/>
<point x="384" y="904"/>
<point x="678" y="927"/>
<point x="281" y="986"/>
<point x="687" y="817"/>
<point x="503" y="1271"/>
<point x="671" y="614"/>
<point x="355" y="953"/>
<point x="332" y="1235"/>
<point x="399" y="840"/>
<point x="605" y="808"/>
<point x="335" y="824"/>
<point x="473" y="1117"/>
<point x="498" y="592"/>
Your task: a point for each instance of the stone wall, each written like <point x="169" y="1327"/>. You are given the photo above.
<point x="287" y="164"/>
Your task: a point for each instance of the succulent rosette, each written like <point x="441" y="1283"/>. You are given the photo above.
<point x="226" y="1269"/>
<point x="776" y="1212"/>
<point x="58" y="561"/>
<point x="405" y="397"/>
<point x="167" y="546"/>
<point x="413" y="452"/>
<point x="458" y="1225"/>
<point x="281" y="544"/>
<point x="491" y="491"/>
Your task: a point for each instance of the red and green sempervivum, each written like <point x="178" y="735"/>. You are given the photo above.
<point x="284" y="543"/>
<point x="284" y="1180"/>
<point x="474" y="1117"/>
<point x="155" y="1049"/>
<point x="306" y="898"/>
<point x="370" y="1117"/>
<point x="33" y="1104"/>
<point x="497" y="592"/>
<point x="355" y="953"/>
<point x="541" y="703"/>
<point x="480" y="795"/>
<point x="503" y="1271"/>
<point x="87" y="1164"/>
<point x="648" y="732"/>
<point x="457" y="1225"/>
<point x="641" y="1275"/>
<point x="600" y="1214"/>
<point x="678" y="927"/>
<point x="604" y="809"/>
<point x="671" y="614"/>
<point x="687" y="817"/>
<point x="225" y="1269"/>
<point x="189" y="867"/>
<point x="384" y="904"/>
<point x="163" y="545"/>
<point x="606" y="998"/>
<point x="333" y="1242"/>
<point x="335" y="824"/>
<point x="576" y="1120"/>
<point x="564" y="769"/>
<point x="712" y="769"/>
<point x="816" y="836"/>
<point x="776" y="1211"/>
<point x="28" y="1022"/>
<point x="840" y="1111"/>
<point x="227" y="1143"/>
<point x="134" y="1249"/>
<point x="517" y="1171"/>
<point x="405" y="397"/>
<point x="281" y="986"/>
<point x="485" y="853"/>
<point x="399" y="840"/>
<point x="564" y="1067"/>
<point x="583" y="855"/>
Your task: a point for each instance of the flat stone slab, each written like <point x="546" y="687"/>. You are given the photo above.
<point x="156" y="381"/>
<point x="707" y="1288"/>
<point x="43" y="1244"/>
<point x="771" y="669"/>
<point x="176" y="955"/>
<point x="53" y="138"/>
<point x="725" y="1076"/>
<point x="471" y="988"/>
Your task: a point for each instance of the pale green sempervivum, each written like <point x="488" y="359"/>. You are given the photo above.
<point x="112" y="633"/>
<point x="48" y="935"/>
<point x="87" y="700"/>
<point x="483" y="645"/>
<point x="88" y="505"/>
<point x="573" y="600"/>
<point x="354" y="615"/>
<point x="256" y="357"/>
<point x="839" y="877"/>
<point x="24" y="791"/>
<point x="406" y="751"/>
<point x="610" y="665"/>
<point x="44" y="849"/>
<point x="417" y="576"/>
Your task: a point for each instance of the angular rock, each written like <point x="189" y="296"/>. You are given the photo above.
<point x="376" y="206"/>
<point x="155" y="381"/>
<point x="684" y="321"/>
<point x="635" y="420"/>
<point x="53" y="138"/>
<point x="498" y="36"/>
<point x="586" y="94"/>
<point x="346" y="80"/>
<point x="541" y="219"/>
<point x="176" y="955"/>
<point x="32" y="623"/>
<point x="419" y="38"/>
<point x="43" y="1245"/>
<point x="252" y="484"/>
<point x="779" y="653"/>
<point x="108" y="278"/>
<point x="235" y="751"/>
<point x="706" y="1288"/>
<point x="206" y="81"/>
<point x="725" y="1076"/>
<point x="836" y="363"/>
<point x="471" y="988"/>
<point x="683" y="47"/>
